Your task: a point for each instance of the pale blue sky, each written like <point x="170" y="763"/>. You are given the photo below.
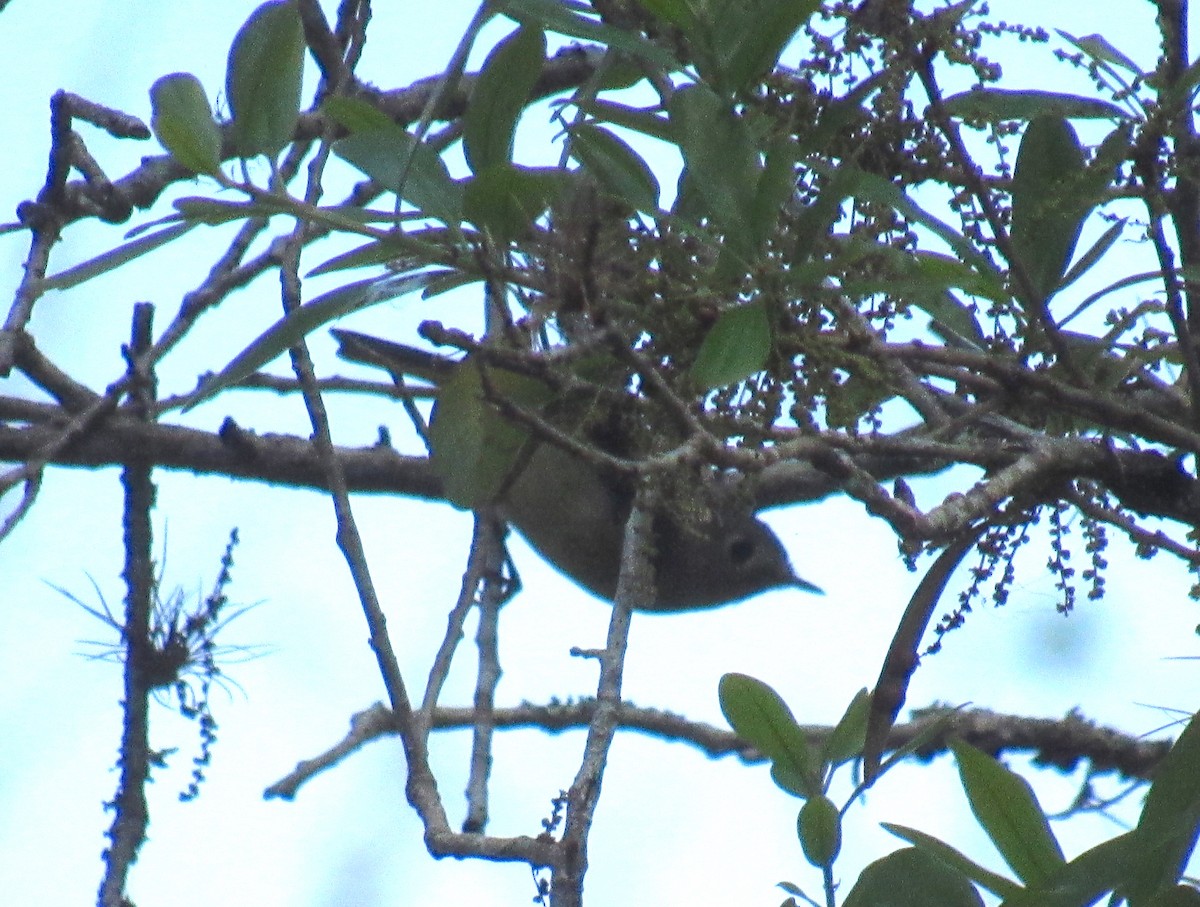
<point x="673" y="827"/>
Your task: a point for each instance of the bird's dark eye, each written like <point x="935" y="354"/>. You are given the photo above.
<point x="741" y="549"/>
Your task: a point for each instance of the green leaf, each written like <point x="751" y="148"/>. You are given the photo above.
<point x="721" y="161"/>
<point x="1085" y="879"/>
<point x="505" y="200"/>
<point x="912" y="878"/>
<point x="263" y="79"/>
<point x="1167" y="829"/>
<point x="1046" y="215"/>
<point x="819" y="826"/>
<point x="393" y="158"/>
<point x="636" y="119"/>
<point x="677" y="12"/>
<point x="212" y="212"/>
<point x="556" y="16"/>
<point x="735" y="348"/>
<point x="845" y="741"/>
<point x="1098" y="250"/>
<point x="759" y="716"/>
<point x="499" y="97"/>
<point x="928" y="733"/>
<point x="951" y="315"/>
<point x="183" y="122"/>
<point x="1008" y="811"/>
<point x="475" y="449"/>
<point x="925" y="278"/>
<point x="616" y="166"/>
<point x="299" y="323"/>
<point x="355" y="114"/>
<point x="776" y="186"/>
<point x="951" y="856"/>
<point x="994" y="105"/>
<point x="1099" y="49"/>
<point x="1189" y="273"/>
<point x="376" y="252"/>
<point x="875" y="188"/>
<point x="749" y="37"/>
<point x="1179" y="896"/>
<point x="114" y="258"/>
<point x="449" y="280"/>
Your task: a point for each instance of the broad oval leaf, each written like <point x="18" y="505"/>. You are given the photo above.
<point x="1008" y="810"/>
<point x="912" y="878"/>
<point x="475" y="449"/>
<point x="735" y="348"/>
<point x="819" y="826"/>
<point x="500" y="95"/>
<point x="263" y="79"/>
<point x="759" y="716"/>
<point x="183" y="123"/>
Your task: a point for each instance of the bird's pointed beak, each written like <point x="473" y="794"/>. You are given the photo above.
<point x="804" y="584"/>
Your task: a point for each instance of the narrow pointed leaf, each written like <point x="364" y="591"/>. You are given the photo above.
<point x="994" y="105"/>
<point x="617" y="166"/>
<point x="776" y="187"/>
<point x="766" y="29"/>
<point x="301" y="322"/>
<point x="646" y="121"/>
<point x="393" y="158"/>
<point x="1085" y="879"/>
<point x="1102" y="51"/>
<point x="985" y="878"/>
<point x="355" y="114"/>
<point x="556" y="16"/>
<point x="500" y="95"/>
<point x="114" y="258"/>
<point x="846" y="740"/>
<point x="1097" y="251"/>
<point x="873" y="187"/>
<point x="1170" y="819"/>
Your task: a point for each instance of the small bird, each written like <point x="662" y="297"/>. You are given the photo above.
<point x="574" y="516"/>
